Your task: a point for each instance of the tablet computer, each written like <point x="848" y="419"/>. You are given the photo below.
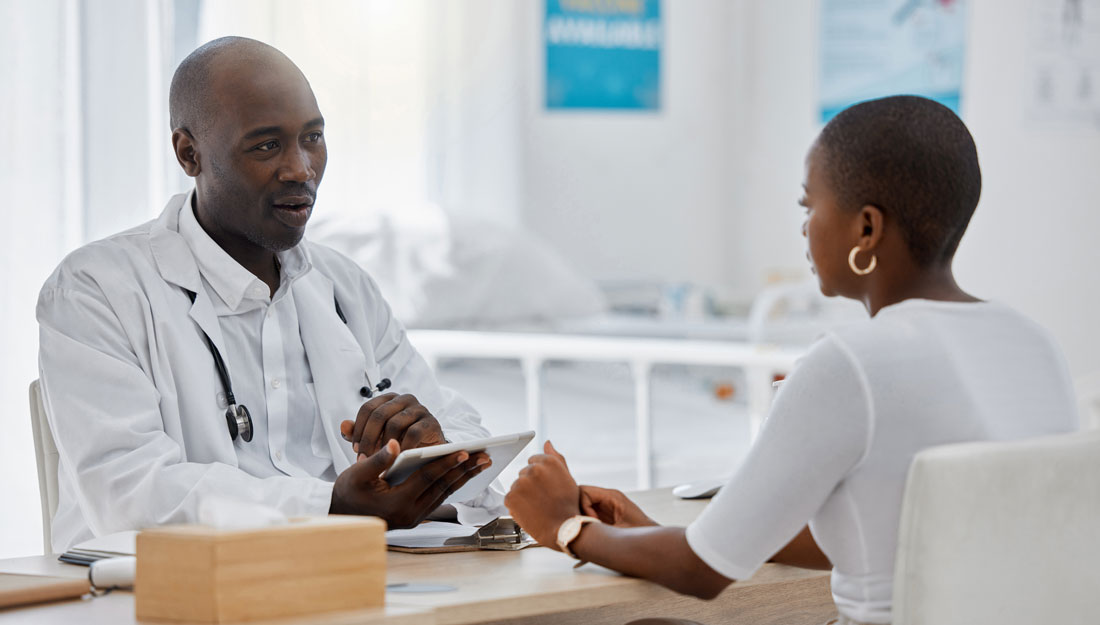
<point x="502" y="451"/>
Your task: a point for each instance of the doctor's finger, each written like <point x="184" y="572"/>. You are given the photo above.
<point x="430" y="473"/>
<point x="453" y="480"/>
<point x="398" y="425"/>
<point x="374" y="465"/>
<point x="375" y="423"/>
<point x="365" y="412"/>
<point x="418" y="431"/>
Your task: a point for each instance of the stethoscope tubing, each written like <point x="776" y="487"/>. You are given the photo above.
<point x="238" y="418"/>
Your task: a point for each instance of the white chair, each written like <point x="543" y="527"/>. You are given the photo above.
<point x="45" y="454"/>
<point x="1001" y="533"/>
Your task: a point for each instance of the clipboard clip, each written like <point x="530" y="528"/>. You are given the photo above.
<point x="503" y="534"/>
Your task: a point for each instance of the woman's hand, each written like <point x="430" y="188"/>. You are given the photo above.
<point x="544" y="496"/>
<point x="613" y="507"/>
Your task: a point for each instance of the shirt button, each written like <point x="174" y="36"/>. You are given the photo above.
<point x="278" y="455"/>
<point x="275" y="383"/>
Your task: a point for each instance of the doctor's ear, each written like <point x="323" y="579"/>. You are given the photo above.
<point x="870" y="223"/>
<point x="186" y="153"/>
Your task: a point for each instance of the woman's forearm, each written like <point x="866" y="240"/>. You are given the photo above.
<point x="659" y="554"/>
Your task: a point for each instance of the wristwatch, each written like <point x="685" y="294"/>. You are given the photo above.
<point x="570" y="529"/>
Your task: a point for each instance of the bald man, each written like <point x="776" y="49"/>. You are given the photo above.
<point x="213" y="353"/>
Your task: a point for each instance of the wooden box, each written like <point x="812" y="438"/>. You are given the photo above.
<point x="200" y="574"/>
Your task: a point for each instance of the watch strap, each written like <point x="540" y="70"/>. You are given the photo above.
<point x="570" y="530"/>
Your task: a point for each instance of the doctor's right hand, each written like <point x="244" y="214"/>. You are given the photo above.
<point x="361" y="490"/>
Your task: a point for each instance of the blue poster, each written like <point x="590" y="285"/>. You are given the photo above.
<point x="875" y="48"/>
<point x="603" y="54"/>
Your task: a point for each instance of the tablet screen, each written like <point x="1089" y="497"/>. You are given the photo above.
<point x="501" y="449"/>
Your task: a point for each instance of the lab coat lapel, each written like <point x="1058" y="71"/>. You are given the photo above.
<point x="202" y="312"/>
<point x="177" y="266"/>
<point x="335" y="360"/>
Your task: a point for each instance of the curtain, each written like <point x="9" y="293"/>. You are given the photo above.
<point x="87" y="154"/>
<point x="421" y="100"/>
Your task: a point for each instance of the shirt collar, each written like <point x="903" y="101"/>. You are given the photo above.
<point x="231" y="281"/>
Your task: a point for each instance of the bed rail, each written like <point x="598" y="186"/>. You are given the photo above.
<point x="760" y="361"/>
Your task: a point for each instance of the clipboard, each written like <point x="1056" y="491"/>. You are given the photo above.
<point x="27" y="589"/>
<point x="502" y="534"/>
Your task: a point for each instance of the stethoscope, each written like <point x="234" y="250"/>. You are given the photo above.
<point x="237" y="416"/>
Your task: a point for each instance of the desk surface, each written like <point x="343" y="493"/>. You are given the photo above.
<point x="535" y="585"/>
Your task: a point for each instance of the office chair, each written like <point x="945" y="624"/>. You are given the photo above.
<point x="46" y="456"/>
<point x="1001" y="532"/>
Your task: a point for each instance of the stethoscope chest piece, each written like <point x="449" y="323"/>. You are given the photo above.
<point x="239" y="421"/>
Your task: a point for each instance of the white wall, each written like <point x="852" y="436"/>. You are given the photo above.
<point x="777" y="120"/>
<point x="1035" y="239"/>
<point x="643" y="194"/>
<point x="477" y="97"/>
<point x="1032" y="243"/>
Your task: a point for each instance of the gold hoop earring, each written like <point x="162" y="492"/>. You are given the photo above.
<point x="857" y="270"/>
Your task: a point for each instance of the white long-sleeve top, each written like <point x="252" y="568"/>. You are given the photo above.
<point x="836" y="447"/>
<point x="137" y="409"/>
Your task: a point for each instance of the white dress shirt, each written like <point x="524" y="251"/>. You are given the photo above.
<point x="265" y="358"/>
<point x="135" y="404"/>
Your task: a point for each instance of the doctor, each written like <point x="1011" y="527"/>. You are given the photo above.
<point x="150" y="337"/>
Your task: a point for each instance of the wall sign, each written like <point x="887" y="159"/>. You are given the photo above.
<point x="603" y="54"/>
<point x="875" y="48"/>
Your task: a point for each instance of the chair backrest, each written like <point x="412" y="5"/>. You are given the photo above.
<point x="1001" y="532"/>
<point x="45" y="454"/>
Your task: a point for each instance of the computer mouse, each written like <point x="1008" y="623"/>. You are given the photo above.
<point x="701" y="489"/>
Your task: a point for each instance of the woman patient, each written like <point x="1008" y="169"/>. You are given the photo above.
<point x="890" y="187"/>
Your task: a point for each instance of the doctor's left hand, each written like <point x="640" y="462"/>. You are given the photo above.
<point x="392" y="416"/>
<point x="360" y="489"/>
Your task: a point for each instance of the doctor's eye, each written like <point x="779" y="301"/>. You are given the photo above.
<point x="314" y="137"/>
<point x="267" y="146"/>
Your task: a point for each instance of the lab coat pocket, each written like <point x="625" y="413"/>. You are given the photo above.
<point x="318" y="442"/>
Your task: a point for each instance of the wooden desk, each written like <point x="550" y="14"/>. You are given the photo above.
<point x="528" y="587"/>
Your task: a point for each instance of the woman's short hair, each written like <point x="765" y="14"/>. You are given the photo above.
<point x="912" y="158"/>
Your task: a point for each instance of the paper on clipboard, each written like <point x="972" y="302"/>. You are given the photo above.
<point x="439" y="537"/>
<point x="430" y="534"/>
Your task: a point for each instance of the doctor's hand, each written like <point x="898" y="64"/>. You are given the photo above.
<point x="392" y="416"/>
<point x="361" y="490"/>
<point x="544" y="496"/>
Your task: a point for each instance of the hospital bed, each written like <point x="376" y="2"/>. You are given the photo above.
<point x="761" y="364"/>
<point x="503" y="320"/>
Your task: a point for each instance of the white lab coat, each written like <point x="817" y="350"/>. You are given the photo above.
<point x="132" y="394"/>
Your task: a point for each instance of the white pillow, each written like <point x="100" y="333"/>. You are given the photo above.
<point x="447" y="272"/>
